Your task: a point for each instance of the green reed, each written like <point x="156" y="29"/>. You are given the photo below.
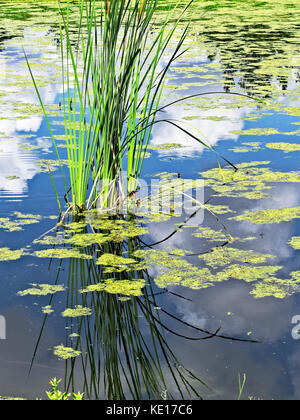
<point x="112" y="82"/>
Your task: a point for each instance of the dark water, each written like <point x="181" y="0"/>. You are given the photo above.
<point x="233" y="49"/>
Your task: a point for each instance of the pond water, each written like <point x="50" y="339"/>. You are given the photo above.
<point x="118" y="328"/>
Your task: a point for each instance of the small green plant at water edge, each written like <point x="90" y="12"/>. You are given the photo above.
<point x="55" y="394"/>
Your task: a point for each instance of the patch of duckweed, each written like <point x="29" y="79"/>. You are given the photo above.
<point x="175" y="269"/>
<point x="42" y="290"/>
<point x="17" y="225"/>
<point x="62" y="253"/>
<point x="76" y="226"/>
<point x="248" y="238"/>
<point x="292" y="110"/>
<point x="47" y="310"/>
<point x="157" y="217"/>
<point x="113" y="286"/>
<point x="7" y="254"/>
<point x="53" y="164"/>
<point x="247" y="273"/>
<point x="118" y="230"/>
<point x="285" y="147"/>
<point x="295" y="275"/>
<point x="74" y="335"/>
<point x="8" y="225"/>
<point x="220" y="256"/>
<point x="87" y="239"/>
<point x="256" y="132"/>
<point x="76" y="312"/>
<point x="241" y="149"/>
<point x="27" y="147"/>
<point x="249" y="181"/>
<point x="246" y="147"/>
<point x="51" y="240"/>
<point x="277" y="288"/>
<point x="295" y="242"/>
<point x="65" y="352"/>
<point x="189" y="276"/>
<point x="268" y="216"/>
<point x="116" y="262"/>
<point x="161" y="257"/>
<point x="20" y="215"/>
<point x="253" y="144"/>
<point x="218" y="208"/>
<point x="210" y="234"/>
<point x="166" y="146"/>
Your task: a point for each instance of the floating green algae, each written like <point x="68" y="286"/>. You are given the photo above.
<point x="247" y="147"/>
<point x="15" y="225"/>
<point x="218" y="208"/>
<point x="175" y="270"/>
<point x="7" y="254"/>
<point x="77" y="311"/>
<point x="113" y="286"/>
<point x="114" y="260"/>
<point x="62" y="253"/>
<point x="76" y="226"/>
<point x="166" y="146"/>
<point x="239" y="265"/>
<point x="74" y="335"/>
<point x="211" y="234"/>
<point x="257" y="132"/>
<point x="247" y="273"/>
<point x="250" y="181"/>
<point x="189" y="276"/>
<point x="161" y="257"/>
<point x="87" y="239"/>
<point x="295" y="242"/>
<point x="20" y="215"/>
<point x="119" y="230"/>
<point x="277" y="288"/>
<point x="241" y="149"/>
<point x="47" y="310"/>
<point x="52" y="164"/>
<point x="59" y="239"/>
<point x="253" y="144"/>
<point x="115" y="263"/>
<point x="286" y="147"/>
<point x="65" y="352"/>
<point x="270" y="215"/>
<point x="220" y="256"/>
<point x="42" y="290"/>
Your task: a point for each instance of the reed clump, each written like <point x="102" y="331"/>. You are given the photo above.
<point x="113" y="77"/>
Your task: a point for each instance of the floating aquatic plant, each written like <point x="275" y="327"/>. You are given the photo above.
<point x="47" y="310"/>
<point x="270" y="215"/>
<point x="210" y="234"/>
<point x="7" y="254"/>
<point x="114" y="286"/>
<point x="285" y="147"/>
<point x="249" y="181"/>
<point x="42" y="290"/>
<point x="65" y="352"/>
<point x="295" y="242"/>
<point x="247" y="273"/>
<point x="274" y="287"/>
<point x="77" y="311"/>
<point x="220" y="256"/>
<point x="61" y="253"/>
